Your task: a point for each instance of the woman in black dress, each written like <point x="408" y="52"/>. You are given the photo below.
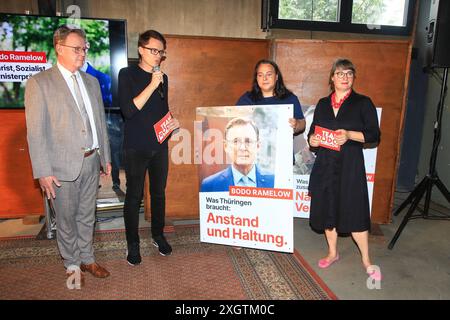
<point x="338" y="185"/>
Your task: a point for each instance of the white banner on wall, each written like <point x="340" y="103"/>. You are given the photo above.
<point x="18" y="66"/>
<point x="246" y="199"/>
<point x="304" y="161"/>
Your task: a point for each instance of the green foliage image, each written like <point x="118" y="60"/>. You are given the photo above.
<point x="35" y="34"/>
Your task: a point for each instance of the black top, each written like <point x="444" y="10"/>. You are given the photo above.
<point x="246" y="99"/>
<point x="338" y="184"/>
<point x="139" y="133"/>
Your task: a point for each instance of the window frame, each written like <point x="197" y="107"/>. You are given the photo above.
<point x="343" y="25"/>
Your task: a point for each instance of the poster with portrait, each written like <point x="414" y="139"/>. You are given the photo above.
<point x="26" y="48"/>
<point x="244" y="155"/>
<point x="304" y="161"/>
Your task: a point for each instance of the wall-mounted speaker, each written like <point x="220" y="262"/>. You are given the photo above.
<point x="438" y="35"/>
<point x="47" y="7"/>
<point x="265" y="15"/>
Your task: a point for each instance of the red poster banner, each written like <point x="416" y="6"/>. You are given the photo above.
<point x="269" y="193"/>
<point x="23" y="57"/>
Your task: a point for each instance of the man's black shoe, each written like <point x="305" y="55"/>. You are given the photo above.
<point x="163" y="246"/>
<point x="133" y="254"/>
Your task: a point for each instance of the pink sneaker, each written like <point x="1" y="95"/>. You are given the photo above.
<point x="324" y="263"/>
<point x="374" y="273"/>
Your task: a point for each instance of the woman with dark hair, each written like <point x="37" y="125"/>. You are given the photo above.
<point x="268" y="88"/>
<point x="338" y="184"/>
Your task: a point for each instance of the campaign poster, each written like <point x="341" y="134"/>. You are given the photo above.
<point x="18" y="66"/>
<point x="26" y="48"/>
<point x="244" y="155"/>
<point x="304" y="161"/>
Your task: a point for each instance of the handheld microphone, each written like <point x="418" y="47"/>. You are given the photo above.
<point x="160" y="87"/>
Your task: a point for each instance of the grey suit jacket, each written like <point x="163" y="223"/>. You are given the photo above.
<point x="55" y="127"/>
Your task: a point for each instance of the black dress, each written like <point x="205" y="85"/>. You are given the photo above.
<point x="338" y="185"/>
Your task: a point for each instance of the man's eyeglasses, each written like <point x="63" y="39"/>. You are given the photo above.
<point x="155" y="51"/>
<point x="341" y="75"/>
<point x="77" y="50"/>
<point x="239" y="142"/>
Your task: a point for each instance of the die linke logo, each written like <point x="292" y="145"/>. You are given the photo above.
<point x="162" y="127"/>
<point x="327" y="138"/>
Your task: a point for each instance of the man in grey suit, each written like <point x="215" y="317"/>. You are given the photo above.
<point x="69" y="147"/>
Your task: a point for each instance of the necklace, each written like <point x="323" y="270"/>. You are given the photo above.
<point x="338" y="104"/>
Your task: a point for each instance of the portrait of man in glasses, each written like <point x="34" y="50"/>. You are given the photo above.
<point x="241" y="144"/>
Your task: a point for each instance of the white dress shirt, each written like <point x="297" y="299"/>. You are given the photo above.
<point x="87" y="102"/>
<point x="244" y="181"/>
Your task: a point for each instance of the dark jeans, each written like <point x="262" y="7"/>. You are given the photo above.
<point x="136" y="165"/>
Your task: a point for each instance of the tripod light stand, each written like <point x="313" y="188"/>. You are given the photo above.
<point x="426" y="185"/>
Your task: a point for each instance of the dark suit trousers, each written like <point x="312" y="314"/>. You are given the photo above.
<point x="137" y="163"/>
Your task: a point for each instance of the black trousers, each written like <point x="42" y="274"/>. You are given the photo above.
<point x="114" y="124"/>
<point x="136" y="165"/>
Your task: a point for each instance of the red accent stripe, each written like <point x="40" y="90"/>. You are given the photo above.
<point x="22" y="57"/>
<point x="268" y="193"/>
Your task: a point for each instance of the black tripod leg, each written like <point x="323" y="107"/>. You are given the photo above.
<point x="443" y="189"/>
<point x="407" y="216"/>
<point x="411" y="196"/>
<point x="426" y="205"/>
